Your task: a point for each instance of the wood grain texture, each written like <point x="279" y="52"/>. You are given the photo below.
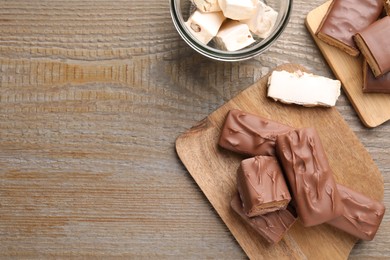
<point x="93" y="95"/>
<point x="215" y="169"/>
<point x="374" y="108"/>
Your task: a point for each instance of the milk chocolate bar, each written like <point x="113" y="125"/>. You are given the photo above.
<point x="249" y="134"/>
<point x="344" y="19"/>
<point x="362" y="215"/>
<point x="374" y="44"/>
<point x="261" y="186"/>
<point x="271" y="226"/>
<point x="371" y="84"/>
<point x="310" y="178"/>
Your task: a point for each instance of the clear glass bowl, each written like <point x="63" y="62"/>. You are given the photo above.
<point x="181" y="10"/>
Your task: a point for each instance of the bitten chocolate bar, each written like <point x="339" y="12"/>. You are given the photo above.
<point x="310" y="178"/>
<point x="362" y="215"/>
<point x="261" y="186"/>
<point x="249" y="134"/>
<point x="272" y="226"/>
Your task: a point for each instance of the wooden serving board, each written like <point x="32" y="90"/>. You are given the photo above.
<point x="214" y="170"/>
<point x="372" y="108"/>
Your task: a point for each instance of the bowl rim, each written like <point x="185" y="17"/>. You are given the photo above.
<point x="221" y="55"/>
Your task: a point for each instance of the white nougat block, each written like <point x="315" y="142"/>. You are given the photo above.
<point x="233" y="36"/>
<point x="303" y="88"/>
<point x="204" y="26"/>
<point x="238" y="9"/>
<point x="263" y="20"/>
<point x="207" y="5"/>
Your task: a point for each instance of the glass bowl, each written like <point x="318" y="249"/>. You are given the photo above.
<point x="182" y="9"/>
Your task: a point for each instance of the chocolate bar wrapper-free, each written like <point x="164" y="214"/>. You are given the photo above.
<point x="262" y="186"/>
<point x="309" y="175"/>
<point x="249" y="134"/>
<point x="371" y="84"/>
<point x="374" y="44"/>
<point x="362" y="215"/>
<point x="344" y="19"/>
<point x="271" y="226"/>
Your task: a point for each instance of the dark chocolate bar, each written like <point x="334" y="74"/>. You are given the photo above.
<point x="249" y="134"/>
<point x="310" y="178"/>
<point x="271" y="226"/>
<point x="362" y="215"/>
<point x="262" y="186"/>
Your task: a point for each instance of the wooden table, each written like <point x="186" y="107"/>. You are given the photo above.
<point x="93" y="95"/>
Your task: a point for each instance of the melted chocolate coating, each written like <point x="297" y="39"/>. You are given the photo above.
<point x="347" y="17"/>
<point x="375" y="85"/>
<point x="261" y="186"/>
<point x="311" y="180"/>
<point x="249" y="134"/>
<point x="271" y="226"/>
<point x="362" y="215"/>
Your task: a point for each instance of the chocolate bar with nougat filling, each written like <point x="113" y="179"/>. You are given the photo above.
<point x="344" y="19"/>
<point x="362" y="215"/>
<point x="262" y="186"/>
<point x="271" y="226"/>
<point x="374" y="44"/>
<point x="371" y="84"/>
<point x="309" y="175"/>
<point x="250" y="134"/>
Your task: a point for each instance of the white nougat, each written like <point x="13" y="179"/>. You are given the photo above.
<point x="204" y="26"/>
<point x="238" y="9"/>
<point x="207" y="5"/>
<point x="303" y="88"/>
<point x="263" y="20"/>
<point x="233" y="36"/>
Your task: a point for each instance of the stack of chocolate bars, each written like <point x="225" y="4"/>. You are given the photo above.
<point x="287" y="176"/>
<point x="361" y="27"/>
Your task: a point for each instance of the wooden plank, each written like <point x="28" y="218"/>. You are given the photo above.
<point x="372" y="108"/>
<point x="87" y="161"/>
<point x="214" y="170"/>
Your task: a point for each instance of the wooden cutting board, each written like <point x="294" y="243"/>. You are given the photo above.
<point x="214" y="170"/>
<point x="372" y="108"/>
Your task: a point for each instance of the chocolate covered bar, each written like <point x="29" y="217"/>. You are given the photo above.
<point x="249" y="134"/>
<point x="374" y="44"/>
<point x="371" y="84"/>
<point x="272" y="226"/>
<point x="261" y="186"/>
<point x="344" y="19"/>
<point x="310" y="178"/>
<point x="362" y="215"/>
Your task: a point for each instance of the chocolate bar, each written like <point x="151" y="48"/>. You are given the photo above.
<point x="271" y="226"/>
<point x="371" y="84"/>
<point x="362" y="215"/>
<point x="374" y="44"/>
<point x="310" y="178"/>
<point x="261" y="186"/>
<point x="249" y="134"/>
<point x="344" y="19"/>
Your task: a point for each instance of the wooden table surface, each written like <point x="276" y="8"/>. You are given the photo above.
<point x="93" y="95"/>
